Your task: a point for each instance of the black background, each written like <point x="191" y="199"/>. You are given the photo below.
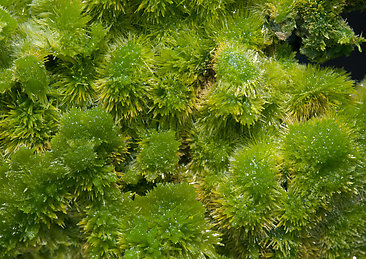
<point x="355" y="63"/>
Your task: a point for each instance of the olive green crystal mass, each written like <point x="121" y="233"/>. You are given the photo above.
<point x="180" y="129"/>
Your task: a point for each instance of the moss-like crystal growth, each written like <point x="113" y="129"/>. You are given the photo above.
<point x="237" y="66"/>
<point x="158" y="155"/>
<point x="317" y="144"/>
<point x="28" y="218"/>
<point x="317" y="91"/>
<point x="28" y="124"/>
<point x="168" y="223"/>
<point x="211" y="95"/>
<point x="108" y="10"/>
<point x="31" y="74"/>
<point x="124" y="83"/>
<point x="8" y="24"/>
<point x="248" y="200"/>
<point x="84" y="144"/>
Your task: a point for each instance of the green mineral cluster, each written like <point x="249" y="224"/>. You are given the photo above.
<point x="180" y="129"/>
